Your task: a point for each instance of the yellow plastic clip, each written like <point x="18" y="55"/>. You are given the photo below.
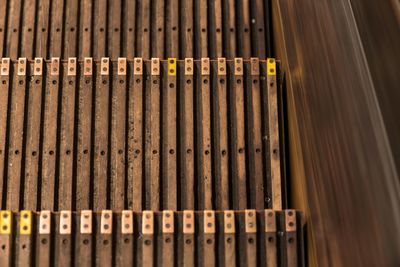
<point x="172" y="66"/>
<point x="25" y="222"/>
<point x="271" y="66"/>
<point x="5" y="222"/>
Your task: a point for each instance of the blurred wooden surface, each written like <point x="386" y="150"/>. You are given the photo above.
<point x="342" y="70"/>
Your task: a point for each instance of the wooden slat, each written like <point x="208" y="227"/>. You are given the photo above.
<point x="143" y="34"/>
<point x="66" y="132"/>
<point x="28" y="29"/>
<point x="258" y="37"/>
<point x="125" y="250"/>
<point x="3" y="23"/>
<point x="13" y="29"/>
<point x="85" y="29"/>
<point x="99" y="29"/>
<point x="104" y="244"/>
<point x="6" y="238"/>
<point x="238" y="134"/>
<point x="204" y="196"/>
<point x="84" y="241"/>
<point x="118" y="133"/>
<point x="152" y="136"/>
<point x="201" y="29"/>
<point x="128" y="47"/>
<point x="50" y="135"/>
<point x="255" y="146"/>
<point x="186" y="33"/>
<point x="56" y="28"/>
<point x="186" y="133"/>
<point x="101" y="139"/>
<point x="84" y="152"/>
<point x="135" y="134"/>
<point x="42" y="29"/>
<point x="220" y="134"/>
<point x="16" y="135"/>
<point x="71" y="29"/>
<point x="172" y="29"/>
<point x="5" y="88"/>
<point x="33" y="132"/>
<point x="64" y="239"/>
<point x="157" y="30"/>
<point x="24" y="250"/>
<point x="273" y="132"/>
<point x="169" y="137"/>
<point x="230" y="29"/>
<point x="44" y="241"/>
<point x="114" y="29"/>
<point x="243" y="30"/>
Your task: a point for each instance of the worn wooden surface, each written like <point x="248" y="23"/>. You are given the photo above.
<point x="143" y="28"/>
<point x="152" y="238"/>
<point x="160" y="134"/>
<point x="342" y="64"/>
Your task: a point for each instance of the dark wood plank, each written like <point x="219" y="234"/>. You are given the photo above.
<point x="28" y="29"/>
<point x="99" y="29"/>
<point x="158" y="31"/>
<point x="71" y="30"/>
<point x="186" y="29"/>
<point x="3" y="23"/>
<point x="42" y="29"/>
<point x="114" y="29"/>
<point x="101" y="139"/>
<point x="5" y="88"/>
<point x="129" y="29"/>
<point x="56" y="28"/>
<point x="84" y="151"/>
<point x="172" y="29"/>
<point x="86" y="29"/>
<point x="49" y="143"/>
<point x="13" y="29"/>
<point x="66" y="135"/>
<point x="33" y="131"/>
<point x="221" y="151"/>
<point x="186" y="134"/>
<point x="16" y="135"/>
<point x="118" y="134"/>
<point x="135" y="134"/>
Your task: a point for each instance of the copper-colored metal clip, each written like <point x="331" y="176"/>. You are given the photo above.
<point x="205" y="66"/>
<point x="38" y="66"/>
<point x="21" y="71"/>
<point x="86" y="221"/>
<point x="105" y="66"/>
<point x="127" y="222"/>
<point x="221" y="66"/>
<point x="155" y="66"/>
<point x="5" y="66"/>
<point x="106" y="222"/>
<point x="55" y="66"/>
<point x="71" y="66"/>
<point x="270" y="221"/>
<point x="138" y="66"/>
<point x="122" y="66"/>
<point x="148" y="222"/>
<point x="290" y="220"/>
<point x="229" y="222"/>
<point x="238" y="66"/>
<point x="189" y="68"/>
<point x="255" y="66"/>
<point x="188" y="222"/>
<point x="45" y="222"/>
<point x="209" y="222"/>
<point x="250" y="221"/>
<point x="168" y="221"/>
<point x="88" y="66"/>
<point x="65" y="222"/>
